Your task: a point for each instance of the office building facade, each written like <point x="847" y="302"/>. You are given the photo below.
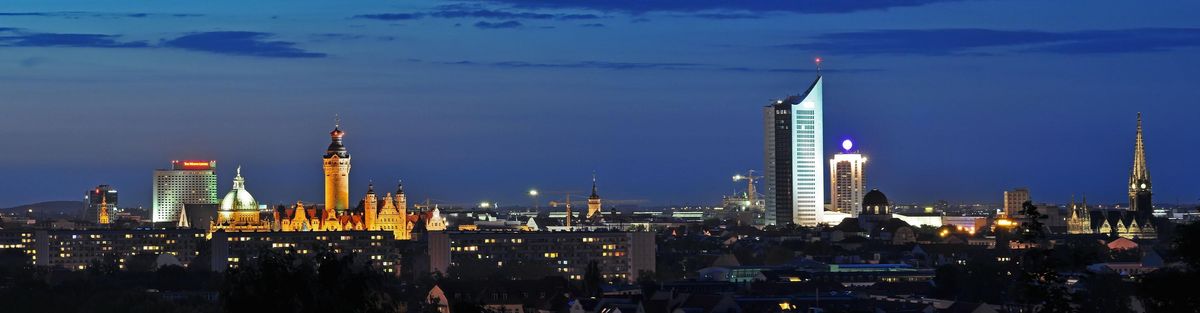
<point x="186" y="182"/>
<point x="1013" y="199"/>
<point x="847" y="180"/>
<point x="794" y="158"/>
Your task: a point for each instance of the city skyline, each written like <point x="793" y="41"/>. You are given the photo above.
<point x="1139" y="154"/>
<point x="940" y="119"/>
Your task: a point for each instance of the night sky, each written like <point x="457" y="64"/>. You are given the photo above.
<point x="481" y="100"/>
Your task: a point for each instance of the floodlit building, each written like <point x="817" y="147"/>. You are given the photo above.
<point x="238" y="211"/>
<point x="337" y="173"/>
<point x="1139" y="178"/>
<point x="794" y="157"/>
<point x="372" y="213"/>
<point x="187" y="182"/>
<point x="847" y="180"/>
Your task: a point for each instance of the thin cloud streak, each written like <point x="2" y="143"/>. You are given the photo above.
<point x="939" y="42"/>
<point x="608" y="65"/>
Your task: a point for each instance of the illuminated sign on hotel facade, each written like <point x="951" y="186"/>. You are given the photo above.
<point x="187" y="182"/>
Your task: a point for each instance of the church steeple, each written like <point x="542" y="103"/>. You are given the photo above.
<point x="594" y="194"/>
<point x="593" y="200"/>
<point x="1139" y="173"/>
<point x="1139" y="176"/>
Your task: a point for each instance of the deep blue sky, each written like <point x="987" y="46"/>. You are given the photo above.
<point x="481" y="100"/>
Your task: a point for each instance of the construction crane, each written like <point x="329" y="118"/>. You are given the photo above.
<point x="429" y="205"/>
<point x="750" y="179"/>
<point x="554" y="203"/>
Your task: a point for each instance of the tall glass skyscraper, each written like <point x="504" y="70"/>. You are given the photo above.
<point x="187" y="182"/>
<point x="794" y="158"/>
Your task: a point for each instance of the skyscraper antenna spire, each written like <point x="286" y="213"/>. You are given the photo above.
<point x="817" y="60"/>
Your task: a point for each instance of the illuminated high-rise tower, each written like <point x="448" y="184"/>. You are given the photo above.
<point x="337" y="173"/>
<point x="847" y="180"/>
<point x="794" y="158"/>
<point x="1139" y="178"/>
<point x="187" y="182"/>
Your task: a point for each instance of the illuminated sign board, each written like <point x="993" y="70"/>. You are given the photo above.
<point x="193" y="165"/>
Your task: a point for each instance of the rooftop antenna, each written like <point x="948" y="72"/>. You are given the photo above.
<point x="817" y="60"/>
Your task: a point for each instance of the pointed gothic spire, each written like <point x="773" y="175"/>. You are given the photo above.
<point x="594" y="194"/>
<point x="1139" y="174"/>
<point x="1074" y="209"/>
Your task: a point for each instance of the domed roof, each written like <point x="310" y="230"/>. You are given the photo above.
<point x="875" y="198"/>
<point x="238" y="199"/>
<point x="336" y="148"/>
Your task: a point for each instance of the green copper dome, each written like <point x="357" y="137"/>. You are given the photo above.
<point x="238" y="199"/>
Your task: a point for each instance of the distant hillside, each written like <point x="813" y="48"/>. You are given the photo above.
<point x="49" y="208"/>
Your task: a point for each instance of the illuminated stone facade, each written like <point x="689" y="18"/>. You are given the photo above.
<point x="1080" y="221"/>
<point x="337" y="173"/>
<point x="238" y="211"/>
<point x="373" y="214"/>
<point x="593" y="201"/>
<point x="392" y="217"/>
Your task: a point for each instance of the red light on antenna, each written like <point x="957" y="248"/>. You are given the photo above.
<point x="818" y="60"/>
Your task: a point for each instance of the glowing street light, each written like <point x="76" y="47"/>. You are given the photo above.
<point x="533" y="195"/>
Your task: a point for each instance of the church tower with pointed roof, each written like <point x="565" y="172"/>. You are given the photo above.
<point x="337" y="173"/>
<point x="593" y="200"/>
<point x="1139" y="178"/>
<point x="1080" y="221"/>
<point x="370" y="208"/>
<point x="403" y="230"/>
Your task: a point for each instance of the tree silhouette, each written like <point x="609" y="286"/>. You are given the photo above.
<point x="592" y="281"/>
<point x="1044" y="290"/>
<point x="1171" y="289"/>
